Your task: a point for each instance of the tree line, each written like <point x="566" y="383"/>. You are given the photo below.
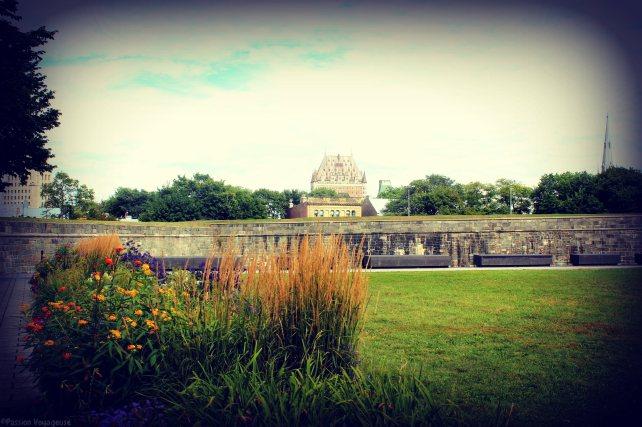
<point x="617" y="190"/>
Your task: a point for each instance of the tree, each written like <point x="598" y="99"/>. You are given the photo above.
<point x="25" y="110"/>
<point x="274" y="203"/>
<point x="568" y="192"/>
<point x="620" y="189"/>
<point x="323" y="192"/>
<point x="201" y="197"/>
<point x="126" y="201"/>
<point x="434" y="195"/>
<point x="74" y="200"/>
<point x="294" y="196"/>
<point x="521" y="196"/>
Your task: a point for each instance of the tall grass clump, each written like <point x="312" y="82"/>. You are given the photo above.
<point x="99" y="246"/>
<point x="301" y="303"/>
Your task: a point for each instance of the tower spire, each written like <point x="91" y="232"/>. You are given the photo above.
<point x="607" y="155"/>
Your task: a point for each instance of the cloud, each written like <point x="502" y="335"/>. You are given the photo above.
<point x="233" y="75"/>
<point x="322" y="58"/>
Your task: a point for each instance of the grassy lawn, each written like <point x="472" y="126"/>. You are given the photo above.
<point x="562" y="346"/>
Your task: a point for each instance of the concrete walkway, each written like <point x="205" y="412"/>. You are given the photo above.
<point x="555" y="268"/>
<point x="18" y="394"/>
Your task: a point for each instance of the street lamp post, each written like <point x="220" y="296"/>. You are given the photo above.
<point x="408" y="197"/>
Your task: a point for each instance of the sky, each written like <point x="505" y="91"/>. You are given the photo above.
<point x="255" y="93"/>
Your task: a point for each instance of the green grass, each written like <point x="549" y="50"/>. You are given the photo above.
<point x="562" y="346"/>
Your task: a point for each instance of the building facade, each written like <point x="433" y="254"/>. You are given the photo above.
<point x="332" y="207"/>
<point x="341" y="174"/>
<point x="23" y="200"/>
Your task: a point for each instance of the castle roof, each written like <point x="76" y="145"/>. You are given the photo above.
<point x="338" y="169"/>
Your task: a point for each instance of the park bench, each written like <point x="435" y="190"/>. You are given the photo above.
<point x="512" y="260"/>
<point x="595" y="259"/>
<point x="172" y="263"/>
<point x="406" y="261"/>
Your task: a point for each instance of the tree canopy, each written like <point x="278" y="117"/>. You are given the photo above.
<point x="25" y="110"/>
<point x="74" y="200"/>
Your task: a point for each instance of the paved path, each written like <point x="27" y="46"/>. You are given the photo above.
<point x="556" y="268"/>
<point x="18" y="394"/>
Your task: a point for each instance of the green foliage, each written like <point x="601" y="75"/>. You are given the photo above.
<point x="440" y="195"/>
<point x="126" y="201"/>
<point x="25" y="111"/>
<point x="74" y="200"/>
<point x="568" y="192"/>
<point x="274" y="203"/>
<point x="202" y="197"/>
<point x="620" y="190"/>
<point x="293" y="195"/>
<point x="323" y="192"/>
<point x="246" y="394"/>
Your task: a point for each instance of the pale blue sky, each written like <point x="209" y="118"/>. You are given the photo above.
<point x="257" y="98"/>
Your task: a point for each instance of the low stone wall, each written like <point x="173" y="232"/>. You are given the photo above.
<point x="22" y="242"/>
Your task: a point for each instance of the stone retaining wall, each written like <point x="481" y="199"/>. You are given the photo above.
<point x="22" y="242"/>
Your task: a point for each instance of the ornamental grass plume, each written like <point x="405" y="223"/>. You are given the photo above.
<point x="306" y="300"/>
<point x="104" y="246"/>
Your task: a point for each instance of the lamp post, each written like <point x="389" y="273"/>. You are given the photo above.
<point x="408" y="198"/>
<point x="510" y="200"/>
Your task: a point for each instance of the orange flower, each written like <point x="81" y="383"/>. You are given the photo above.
<point x="131" y="347"/>
<point x="151" y="324"/>
<point x="66" y="355"/>
<point x="114" y="333"/>
<point x="96" y="276"/>
<point x="154" y="312"/>
<point x="49" y="343"/>
<point x="109" y="261"/>
<point x="132" y="293"/>
<point x="34" y="326"/>
<point x="24" y="307"/>
<point x="139" y="347"/>
<point x="82" y="322"/>
<point x="112" y="317"/>
<point x="138" y="312"/>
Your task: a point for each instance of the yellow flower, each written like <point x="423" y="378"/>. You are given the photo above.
<point x="131" y="293"/>
<point x="139" y="347"/>
<point x="96" y="276"/>
<point x="133" y="323"/>
<point x="114" y="333"/>
<point x="82" y="322"/>
<point x="112" y="317"/>
<point x="98" y="297"/>
<point x="138" y="312"/>
<point x="49" y="343"/>
<point x="154" y="312"/>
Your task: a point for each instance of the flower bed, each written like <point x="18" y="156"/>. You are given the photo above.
<point x="274" y="342"/>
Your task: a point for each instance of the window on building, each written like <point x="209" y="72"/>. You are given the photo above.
<point x="354" y="213"/>
<point x="316" y="212"/>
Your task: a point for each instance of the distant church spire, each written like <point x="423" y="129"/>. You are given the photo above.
<point x="607" y="155"/>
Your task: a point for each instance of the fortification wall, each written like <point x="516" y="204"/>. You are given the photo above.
<point x="22" y="242"/>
